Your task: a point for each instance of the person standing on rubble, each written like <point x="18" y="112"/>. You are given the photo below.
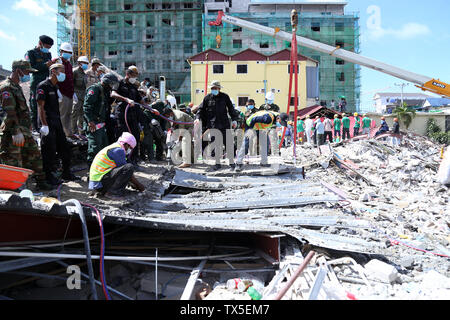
<point x="93" y="74"/>
<point x="110" y="173"/>
<point x="17" y="146"/>
<point x="320" y="132"/>
<point x="308" y="128"/>
<point x="328" y="124"/>
<point x="337" y="123"/>
<point x="213" y="113"/>
<point x="80" y="81"/>
<point x="66" y="89"/>
<point x="40" y="59"/>
<point x="300" y="130"/>
<point x="54" y="140"/>
<point x="345" y="127"/>
<point x="357" y="124"/>
<point x="366" y="123"/>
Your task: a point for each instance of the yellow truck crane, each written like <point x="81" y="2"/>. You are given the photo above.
<point x="423" y="82"/>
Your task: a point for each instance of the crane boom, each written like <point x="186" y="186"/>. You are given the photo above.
<point x="84" y="34"/>
<point x="423" y="82"/>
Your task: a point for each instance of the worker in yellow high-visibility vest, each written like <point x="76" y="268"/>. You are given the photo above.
<point x="261" y="120"/>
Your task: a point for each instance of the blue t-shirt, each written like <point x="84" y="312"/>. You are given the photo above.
<point x="119" y="157"/>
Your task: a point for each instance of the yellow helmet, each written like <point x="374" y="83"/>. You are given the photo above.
<point x="355" y="114"/>
<point x="336" y="116"/>
<point x="344" y="115"/>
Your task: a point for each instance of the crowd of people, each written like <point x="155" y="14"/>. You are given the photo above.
<point x="125" y="122"/>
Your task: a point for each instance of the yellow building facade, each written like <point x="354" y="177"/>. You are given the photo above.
<point x="250" y="75"/>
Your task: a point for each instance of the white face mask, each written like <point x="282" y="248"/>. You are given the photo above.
<point x="128" y="151"/>
<point x="132" y="80"/>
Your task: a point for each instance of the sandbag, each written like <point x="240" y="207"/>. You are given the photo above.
<point x="443" y="175"/>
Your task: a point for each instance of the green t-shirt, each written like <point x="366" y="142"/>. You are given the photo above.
<point x="337" y="124"/>
<point x="300" y="126"/>
<point x="357" y="122"/>
<point x="346" y="122"/>
<point x="367" y="122"/>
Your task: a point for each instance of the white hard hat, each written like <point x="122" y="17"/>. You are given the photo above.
<point x="270" y="96"/>
<point x="172" y="101"/>
<point x="65" y="46"/>
<point x="83" y="59"/>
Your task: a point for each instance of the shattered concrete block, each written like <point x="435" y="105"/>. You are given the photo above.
<point x="407" y="262"/>
<point x="128" y="290"/>
<point x="141" y="295"/>
<point x="381" y="271"/>
<point x="119" y="271"/>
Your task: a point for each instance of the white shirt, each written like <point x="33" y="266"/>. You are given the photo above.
<point x="328" y="124"/>
<point x="308" y="124"/>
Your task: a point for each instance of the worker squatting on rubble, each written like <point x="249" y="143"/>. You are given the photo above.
<point x="383" y="127"/>
<point x="214" y="112"/>
<point x="17" y="146"/>
<point x="260" y="121"/>
<point x="40" y="59"/>
<point x="80" y="85"/>
<point x="110" y="173"/>
<point x="53" y="138"/>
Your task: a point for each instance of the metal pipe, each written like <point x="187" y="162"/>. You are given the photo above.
<point x="295" y="276"/>
<point x="87" y="247"/>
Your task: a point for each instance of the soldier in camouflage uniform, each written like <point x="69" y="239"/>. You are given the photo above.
<point x="40" y="59"/>
<point x="17" y="146"/>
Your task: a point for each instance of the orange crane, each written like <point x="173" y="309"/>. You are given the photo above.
<point x="84" y="34"/>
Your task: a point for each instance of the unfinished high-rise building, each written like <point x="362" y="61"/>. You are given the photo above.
<point x="326" y="22"/>
<point x="155" y="35"/>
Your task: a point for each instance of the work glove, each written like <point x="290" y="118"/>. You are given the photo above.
<point x="44" y="131"/>
<point x="75" y="98"/>
<point x="18" y="140"/>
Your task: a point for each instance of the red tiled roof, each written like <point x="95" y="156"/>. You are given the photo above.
<point x="213" y="55"/>
<point x="302" y="113"/>
<point x="285" y="55"/>
<point x="249" y="55"/>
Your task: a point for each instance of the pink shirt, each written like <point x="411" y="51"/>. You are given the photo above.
<point x="66" y="87"/>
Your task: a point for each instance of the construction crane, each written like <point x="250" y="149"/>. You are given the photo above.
<point x="423" y="82"/>
<point x="84" y="34"/>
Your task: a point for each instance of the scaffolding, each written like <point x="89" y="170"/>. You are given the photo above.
<point x="337" y="78"/>
<point x="158" y="36"/>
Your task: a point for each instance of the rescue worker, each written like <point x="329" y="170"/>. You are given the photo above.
<point x="328" y="124"/>
<point x="17" y="146"/>
<point x="128" y="90"/>
<point x="300" y="130"/>
<point x="96" y="110"/>
<point x="337" y="123"/>
<point x="320" y="132"/>
<point x="93" y="74"/>
<point x="357" y="124"/>
<point x="345" y="127"/>
<point x="308" y="128"/>
<point x="53" y="140"/>
<point x="396" y="127"/>
<point x="250" y="109"/>
<point x="214" y="112"/>
<point x="270" y="105"/>
<point x="185" y="122"/>
<point x="40" y="59"/>
<point x="110" y="173"/>
<point x="366" y="123"/>
<point x="261" y="120"/>
<point x="79" y="83"/>
<point x="66" y="89"/>
<point x="383" y="127"/>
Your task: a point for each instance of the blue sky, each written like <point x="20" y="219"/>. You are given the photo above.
<point x="414" y="35"/>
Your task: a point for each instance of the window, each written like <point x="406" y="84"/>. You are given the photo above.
<point x="113" y="65"/>
<point x="241" y="68"/>
<point x="128" y="6"/>
<point x="128" y="22"/>
<point x="188" y="5"/>
<point x="167" y="48"/>
<point x="339" y="43"/>
<point x="242" y="101"/>
<point x="264" y="45"/>
<point x="187" y="66"/>
<point x="218" y="68"/>
<point x="187" y="48"/>
<point x="112" y="52"/>
<point x="151" y="64"/>
<point x="112" y="5"/>
<point x="149" y="49"/>
<point x="150" y="6"/>
<point x="150" y="21"/>
<point x="92" y="21"/>
<point x="339" y="26"/>
<point x="340" y="61"/>
<point x="237" y="44"/>
<point x="129" y="64"/>
<point x="237" y="29"/>
<point x="112" y="35"/>
<point x="112" y="20"/>
<point x="188" y="33"/>
<point x="166" y="6"/>
<point x="289" y="69"/>
<point x="167" y="64"/>
<point x="167" y="21"/>
<point x="128" y="35"/>
<point x="149" y="35"/>
<point x="293" y="101"/>
<point x="188" y="19"/>
<point x="129" y="51"/>
<point x="340" y="76"/>
<point x="315" y="26"/>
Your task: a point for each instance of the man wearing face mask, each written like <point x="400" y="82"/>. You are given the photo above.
<point x="92" y="73"/>
<point x="17" y="146"/>
<point x="270" y="105"/>
<point x="40" y="59"/>
<point x="79" y="83"/>
<point x="53" y="138"/>
<point x="66" y="88"/>
<point x="214" y="112"/>
<point x="110" y="173"/>
<point x="128" y="90"/>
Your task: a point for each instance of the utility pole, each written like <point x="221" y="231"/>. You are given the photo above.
<point x="402" y="85"/>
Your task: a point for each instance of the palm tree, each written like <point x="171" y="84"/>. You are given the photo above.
<point x="405" y="114"/>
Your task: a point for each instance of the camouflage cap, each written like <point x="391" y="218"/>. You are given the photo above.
<point x="24" y="65"/>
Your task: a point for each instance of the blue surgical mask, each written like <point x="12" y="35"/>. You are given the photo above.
<point x="45" y="50"/>
<point x="25" y="78"/>
<point x="214" y="92"/>
<point x="84" y="67"/>
<point x="66" y="55"/>
<point x="250" y="107"/>
<point x="269" y="101"/>
<point x="61" y="77"/>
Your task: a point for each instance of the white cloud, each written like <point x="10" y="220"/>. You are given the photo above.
<point x="34" y="7"/>
<point x="4" y="19"/>
<point x="4" y="35"/>
<point x="407" y="31"/>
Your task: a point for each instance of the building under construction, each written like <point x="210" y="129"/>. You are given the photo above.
<point x="320" y="21"/>
<point x="155" y="35"/>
